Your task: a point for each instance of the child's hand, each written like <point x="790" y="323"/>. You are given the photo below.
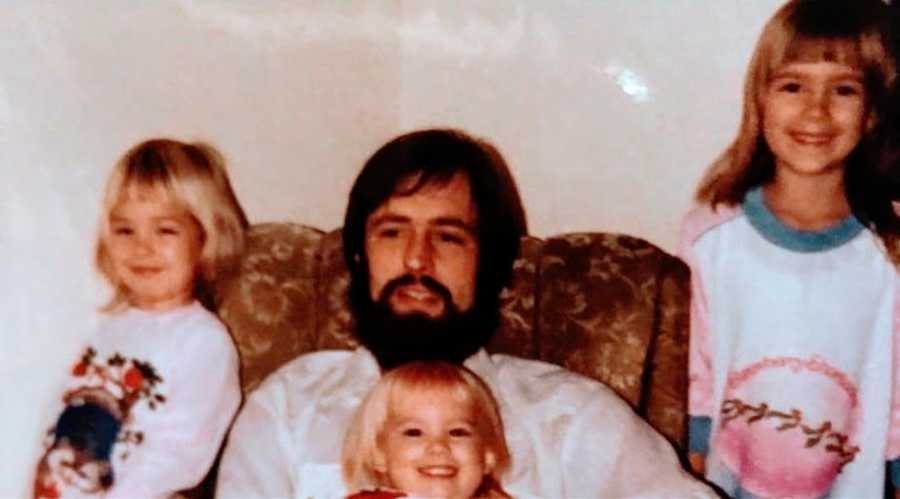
<point x="698" y="463"/>
<point x="64" y="467"/>
<point x="45" y="487"/>
<point x="79" y="459"/>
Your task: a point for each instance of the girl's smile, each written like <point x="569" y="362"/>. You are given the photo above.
<point x="814" y="115"/>
<point x="432" y="445"/>
<point x="811" y="139"/>
<point x="154" y="245"/>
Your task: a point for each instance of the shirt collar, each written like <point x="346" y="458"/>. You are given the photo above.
<point x="479" y="362"/>
<point x="364" y="362"/>
<point x="778" y="233"/>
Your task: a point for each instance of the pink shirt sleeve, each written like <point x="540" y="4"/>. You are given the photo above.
<point x="700" y="367"/>
<point x="893" y="443"/>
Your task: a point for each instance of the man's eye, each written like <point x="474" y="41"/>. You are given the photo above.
<point x="460" y="432"/>
<point x="450" y="237"/>
<point x="412" y="432"/>
<point x="388" y="233"/>
<point x="848" y="90"/>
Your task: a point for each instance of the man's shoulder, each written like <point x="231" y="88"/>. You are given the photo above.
<point x="604" y="447"/>
<point x="319" y="372"/>
<point x="539" y="369"/>
<point x="538" y="376"/>
<point x="538" y="393"/>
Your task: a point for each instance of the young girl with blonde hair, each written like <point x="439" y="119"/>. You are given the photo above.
<point x="147" y="404"/>
<point x="792" y="354"/>
<point x="427" y="429"/>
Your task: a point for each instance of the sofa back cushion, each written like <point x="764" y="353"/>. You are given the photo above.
<point x="611" y="307"/>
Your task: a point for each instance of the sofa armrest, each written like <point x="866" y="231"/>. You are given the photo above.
<point x="664" y="402"/>
<point x="612" y="307"/>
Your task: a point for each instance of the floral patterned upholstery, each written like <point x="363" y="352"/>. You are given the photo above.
<point x="610" y="307"/>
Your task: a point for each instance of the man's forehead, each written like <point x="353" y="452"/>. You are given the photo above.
<point x="435" y="201"/>
<point x="418" y="181"/>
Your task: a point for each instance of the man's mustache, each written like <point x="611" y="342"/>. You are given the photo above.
<point x="425" y="281"/>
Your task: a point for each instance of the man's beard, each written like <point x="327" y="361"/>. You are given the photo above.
<point x="395" y="339"/>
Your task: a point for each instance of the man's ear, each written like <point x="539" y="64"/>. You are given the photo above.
<point x="871" y="120"/>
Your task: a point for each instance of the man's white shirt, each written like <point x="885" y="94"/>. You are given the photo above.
<point x="569" y="436"/>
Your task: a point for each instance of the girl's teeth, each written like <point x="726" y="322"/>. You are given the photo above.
<point x="439" y="471"/>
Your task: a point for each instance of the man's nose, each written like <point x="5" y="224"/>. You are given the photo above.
<point x="418" y="256"/>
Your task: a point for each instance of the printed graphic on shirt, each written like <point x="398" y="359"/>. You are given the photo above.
<point x="98" y="402"/>
<point x="787" y="426"/>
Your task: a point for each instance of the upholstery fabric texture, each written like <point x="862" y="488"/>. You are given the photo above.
<point x="608" y="306"/>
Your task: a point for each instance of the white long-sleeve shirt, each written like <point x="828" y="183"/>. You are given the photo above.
<point x="793" y="358"/>
<point x="175" y="374"/>
<point x="568" y="436"/>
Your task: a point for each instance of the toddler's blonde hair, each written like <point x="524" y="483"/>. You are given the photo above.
<point x="365" y="435"/>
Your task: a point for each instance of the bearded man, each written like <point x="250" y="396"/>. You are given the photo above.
<point x="431" y="232"/>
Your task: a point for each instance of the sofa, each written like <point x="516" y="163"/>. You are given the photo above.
<point x="611" y="307"/>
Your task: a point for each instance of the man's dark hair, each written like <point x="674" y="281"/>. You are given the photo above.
<point x="435" y="157"/>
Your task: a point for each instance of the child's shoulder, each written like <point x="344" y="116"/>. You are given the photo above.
<point x="196" y="315"/>
<point x="188" y="325"/>
<point x="701" y="218"/>
<point x="193" y="315"/>
<point x="198" y="329"/>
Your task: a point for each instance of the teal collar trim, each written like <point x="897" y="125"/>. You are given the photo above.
<point x="803" y="241"/>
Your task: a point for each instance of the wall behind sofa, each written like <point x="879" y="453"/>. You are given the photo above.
<point x="607" y="111"/>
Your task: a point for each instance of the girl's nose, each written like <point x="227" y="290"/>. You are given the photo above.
<point x="143" y="244"/>
<point x="817" y="103"/>
<point x="438" y="445"/>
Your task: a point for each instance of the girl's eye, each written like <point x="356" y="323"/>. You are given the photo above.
<point x="412" y="432"/>
<point x="122" y="231"/>
<point x="460" y="432"/>
<point x="790" y="87"/>
<point x="168" y="231"/>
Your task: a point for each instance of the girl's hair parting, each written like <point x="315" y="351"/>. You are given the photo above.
<point x="852" y="32"/>
<point x="193" y="175"/>
<point x="365" y="435"/>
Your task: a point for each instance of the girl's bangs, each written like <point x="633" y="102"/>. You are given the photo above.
<point x="149" y="171"/>
<point x="806" y="48"/>
<point x="147" y="167"/>
<point x="420" y="383"/>
<point x="138" y="186"/>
